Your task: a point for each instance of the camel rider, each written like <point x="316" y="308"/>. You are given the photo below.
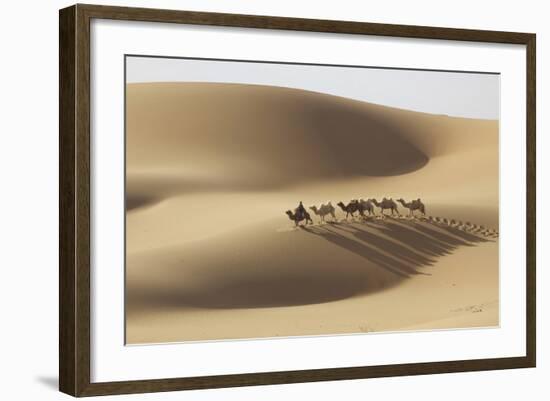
<point x="300" y="210"/>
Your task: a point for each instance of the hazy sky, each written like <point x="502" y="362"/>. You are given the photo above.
<point x="458" y="94"/>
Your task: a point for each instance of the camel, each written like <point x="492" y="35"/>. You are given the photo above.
<point x="386" y="204"/>
<point x="352" y="207"/>
<point x="461" y="225"/>
<point x="298" y="217"/>
<point x="413" y="205"/>
<point x="367" y="206"/>
<point x="324" y="210"/>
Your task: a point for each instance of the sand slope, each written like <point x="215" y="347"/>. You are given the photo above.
<point x="212" y="167"/>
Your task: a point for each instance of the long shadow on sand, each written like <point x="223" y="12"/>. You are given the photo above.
<point x="401" y="247"/>
<point x="390" y="262"/>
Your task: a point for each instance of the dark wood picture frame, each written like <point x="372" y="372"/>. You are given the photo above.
<point x="74" y="199"/>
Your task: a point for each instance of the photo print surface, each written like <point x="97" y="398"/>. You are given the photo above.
<point x="269" y="199"/>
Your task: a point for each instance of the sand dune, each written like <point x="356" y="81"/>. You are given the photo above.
<point x="266" y="267"/>
<point x="264" y="135"/>
<point x="211" y="168"/>
<point x="345" y="278"/>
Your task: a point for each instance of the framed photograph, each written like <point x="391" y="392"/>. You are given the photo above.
<point x="251" y="200"/>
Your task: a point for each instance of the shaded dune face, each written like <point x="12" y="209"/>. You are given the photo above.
<point x="261" y="268"/>
<point x="248" y="290"/>
<point x="212" y="136"/>
<point x="253" y="270"/>
<point x="137" y="200"/>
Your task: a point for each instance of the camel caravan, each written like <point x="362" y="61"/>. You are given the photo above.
<point x="365" y="209"/>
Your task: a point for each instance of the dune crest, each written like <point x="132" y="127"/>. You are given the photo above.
<point x="260" y="136"/>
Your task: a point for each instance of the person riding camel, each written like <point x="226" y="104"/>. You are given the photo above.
<point x="300" y="210"/>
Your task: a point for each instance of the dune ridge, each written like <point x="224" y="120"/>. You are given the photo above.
<point x="258" y="137"/>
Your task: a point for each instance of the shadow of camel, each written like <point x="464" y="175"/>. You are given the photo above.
<point x="398" y="250"/>
<point x="393" y="264"/>
<point x="401" y="247"/>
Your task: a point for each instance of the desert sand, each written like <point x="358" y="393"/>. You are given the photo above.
<point x="210" y="254"/>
